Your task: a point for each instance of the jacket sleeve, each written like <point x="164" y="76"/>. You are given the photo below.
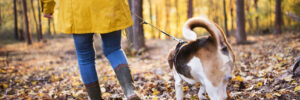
<point x="47" y="6"/>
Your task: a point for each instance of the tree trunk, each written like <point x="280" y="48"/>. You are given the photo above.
<point x="249" y="18"/>
<point x="35" y="20"/>
<point x="190" y="8"/>
<point x="167" y="16"/>
<point x="177" y="18"/>
<point x="53" y="27"/>
<point x="49" y="26"/>
<point x="150" y="15"/>
<point x="0" y="16"/>
<point x="129" y="30"/>
<point x="22" y="25"/>
<point x="138" y="31"/>
<point x="231" y="14"/>
<point x="158" y="17"/>
<point x="16" y="20"/>
<point x="257" y="17"/>
<point x="225" y="18"/>
<point x="278" y="17"/>
<point x="28" y="36"/>
<point x="40" y="22"/>
<point x="240" y="21"/>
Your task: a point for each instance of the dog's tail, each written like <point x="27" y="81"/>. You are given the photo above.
<point x="215" y="30"/>
<point x="211" y="27"/>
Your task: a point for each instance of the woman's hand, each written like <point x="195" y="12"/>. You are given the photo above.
<point x="48" y="15"/>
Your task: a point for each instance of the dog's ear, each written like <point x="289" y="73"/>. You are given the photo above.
<point x="170" y="58"/>
<point x="215" y="32"/>
<point x="224" y="42"/>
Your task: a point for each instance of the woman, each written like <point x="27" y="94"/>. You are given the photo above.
<point x="83" y="18"/>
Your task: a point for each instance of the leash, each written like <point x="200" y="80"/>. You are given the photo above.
<point x="172" y="37"/>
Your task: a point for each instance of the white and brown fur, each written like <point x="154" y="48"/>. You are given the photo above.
<point x="208" y="60"/>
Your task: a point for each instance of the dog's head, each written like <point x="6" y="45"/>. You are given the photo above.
<point x="215" y="54"/>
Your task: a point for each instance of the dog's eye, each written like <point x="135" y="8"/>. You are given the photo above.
<point x="224" y="50"/>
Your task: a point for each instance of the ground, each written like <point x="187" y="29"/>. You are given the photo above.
<point x="49" y="70"/>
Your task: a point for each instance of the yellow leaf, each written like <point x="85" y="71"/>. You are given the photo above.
<point x="185" y="88"/>
<point x="47" y="68"/>
<point x="17" y="81"/>
<point x="52" y="78"/>
<point x="76" y="83"/>
<point x="297" y="88"/>
<point x="40" y="94"/>
<point x="259" y="84"/>
<point x="279" y="58"/>
<point x="105" y="94"/>
<point x="238" y="78"/>
<point x="155" y="98"/>
<point x="33" y="83"/>
<point x="155" y="92"/>
<point x="269" y="96"/>
<point x="294" y="82"/>
<point x="277" y="94"/>
<point x="5" y="85"/>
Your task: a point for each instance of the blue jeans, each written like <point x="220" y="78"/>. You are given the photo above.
<point x="111" y="44"/>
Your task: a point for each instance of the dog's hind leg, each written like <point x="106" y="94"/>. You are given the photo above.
<point x="201" y="93"/>
<point x="178" y="85"/>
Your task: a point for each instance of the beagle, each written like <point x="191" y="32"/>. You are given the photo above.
<point x="208" y="60"/>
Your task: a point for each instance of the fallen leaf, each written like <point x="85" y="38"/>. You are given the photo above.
<point x="297" y="88"/>
<point x="155" y="92"/>
<point x="269" y="96"/>
<point x="259" y="84"/>
<point x="4" y="85"/>
<point x="185" y="88"/>
<point x="238" y="78"/>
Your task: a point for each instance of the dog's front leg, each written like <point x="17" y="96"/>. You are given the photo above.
<point x="201" y="93"/>
<point x="178" y="86"/>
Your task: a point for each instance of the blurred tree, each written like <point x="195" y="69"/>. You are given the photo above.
<point x="16" y="20"/>
<point x="190" y="8"/>
<point x="240" y="21"/>
<point x="129" y="30"/>
<point x="249" y="15"/>
<point x="22" y="25"/>
<point x="138" y="30"/>
<point x="167" y="4"/>
<point x="49" y="26"/>
<point x="40" y="34"/>
<point x="231" y="15"/>
<point x="28" y="36"/>
<point x="278" y="18"/>
<point x="225" y="18"/>
<point x="53" y="27"/>
<point x="35" y="20"/>
<point x="158" y="17"/>
<point x="0" y="15"/>
<point x="150" y="15"/>
<point x="257" y="17"/>
<point x="177" y="18"/>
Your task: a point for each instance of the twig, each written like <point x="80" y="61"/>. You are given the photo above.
<point x="295" y="17"/>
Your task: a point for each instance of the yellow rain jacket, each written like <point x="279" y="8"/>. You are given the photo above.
<point x="90" y="16"/>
